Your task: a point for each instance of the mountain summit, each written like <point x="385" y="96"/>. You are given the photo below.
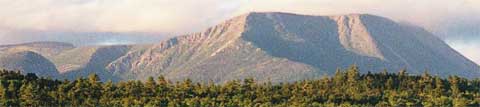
<point x="289" y="47"/>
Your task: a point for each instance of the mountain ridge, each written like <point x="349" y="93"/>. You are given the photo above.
<point x="28" y="62"/>
<point x="280" y="47"/>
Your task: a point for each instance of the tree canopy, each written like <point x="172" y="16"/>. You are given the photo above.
<point x="346" y="88"/>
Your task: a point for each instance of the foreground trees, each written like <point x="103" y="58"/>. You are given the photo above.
<point x="345" y="88"/>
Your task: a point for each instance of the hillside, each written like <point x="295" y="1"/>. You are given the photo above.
<point x="346" y="89"/>
<point x="288" y="47"/>
<point x="274" y="47"/>
<point x="69" y="61"/>
<point x="28" y="62"/>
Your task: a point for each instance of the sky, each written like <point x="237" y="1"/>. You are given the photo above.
<point x="455" y="21"/>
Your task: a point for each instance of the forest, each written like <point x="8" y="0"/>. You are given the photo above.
<point x="346" y="88"/>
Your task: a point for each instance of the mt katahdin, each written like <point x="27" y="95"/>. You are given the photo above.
<point x="276" y="47"/>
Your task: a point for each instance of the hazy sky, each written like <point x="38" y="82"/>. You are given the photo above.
<point x="456" y="21"/>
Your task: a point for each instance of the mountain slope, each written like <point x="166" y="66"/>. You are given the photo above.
<point x="272" y="47"/>
<point x="28" y="62"/>
<point x="217" y="54"/>
<point x="83" y="61"/>
<point x="287" y="47"/>
<point x="372" y="42"/>
<point x="71" y="62"/>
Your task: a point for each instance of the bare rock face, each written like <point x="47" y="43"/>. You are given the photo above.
<point x="278" y="47"/>
<point x="354" y="36"/>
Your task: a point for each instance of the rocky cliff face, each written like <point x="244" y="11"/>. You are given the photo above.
<point x="277" y="47"/>
<point x="354" y="37"/>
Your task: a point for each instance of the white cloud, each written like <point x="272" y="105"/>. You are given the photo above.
<point x="113" y="15"/>
<point x="195" y="15"/>
<point x="468" y="49"/>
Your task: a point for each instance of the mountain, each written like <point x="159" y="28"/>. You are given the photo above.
<point x="32" y="57"/>
<point x="69" y="61"/>
<point x="85" y="60"/>
<point x="49" y="49"/>
<point x="274" y="47"/>
<point x="28" y="62"/>
<point x="288" y="47"/>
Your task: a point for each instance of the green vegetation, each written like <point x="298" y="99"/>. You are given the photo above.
<point x="345" y="88"/>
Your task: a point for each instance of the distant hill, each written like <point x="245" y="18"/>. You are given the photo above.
<point x="274" y="47"/>
<point x="28" y="62"/>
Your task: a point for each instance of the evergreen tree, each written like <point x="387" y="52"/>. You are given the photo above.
<point x="353" y="87"/>
<point x="454" y="86"/>
<point x="439" y="86"/>
<point x="352" y="75"/>
<point x="79" y="92"/>
<point x="29" y="95"/>
<point x="94" y="90"/>
<point x="60" y="94"/>
<point x="3" y="94"/>
<point x="107" y="94"/>
<point x="349" y="88"/>
<point x="12" y="94"/>
<point x="389" y="85"/>
<point x="339" y="78"/>
<point x="150" y="87"/>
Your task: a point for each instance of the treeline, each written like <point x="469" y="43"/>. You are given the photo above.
<point x="345" y="88"/>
